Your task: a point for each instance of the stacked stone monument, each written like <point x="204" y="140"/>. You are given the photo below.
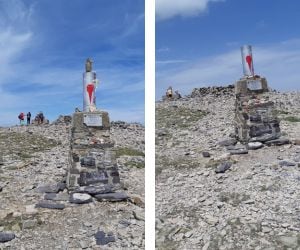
<point x="170" y="95"/>
<point x="92" y="167"/>
<point x="255" y="119"/>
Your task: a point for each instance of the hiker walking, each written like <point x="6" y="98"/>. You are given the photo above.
<point x="21" y="118"/>
<point x="28" y="118"/>
<point x="40" y="117"/>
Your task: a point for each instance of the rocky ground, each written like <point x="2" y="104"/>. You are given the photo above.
<point x="255" y="204"/>
<point x="34" y="158"/>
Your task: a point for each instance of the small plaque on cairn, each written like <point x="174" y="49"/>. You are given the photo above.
<point x="92" y="120"/>
<point x="255" y="119"/>
<point x="93" y="168"/>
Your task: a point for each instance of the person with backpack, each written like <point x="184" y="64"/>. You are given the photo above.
<point x="21" y="118"/>
<point x="28" y="118"/>
<point x="40" y="117"/>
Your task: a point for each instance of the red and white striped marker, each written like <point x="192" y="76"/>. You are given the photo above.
<point x="247" y="60"/>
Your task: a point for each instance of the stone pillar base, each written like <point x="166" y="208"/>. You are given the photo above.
<point x="92" y="160"/>
<point x="255" y="119"/>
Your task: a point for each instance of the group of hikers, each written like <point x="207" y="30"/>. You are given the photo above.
<point x="39" y="118"/>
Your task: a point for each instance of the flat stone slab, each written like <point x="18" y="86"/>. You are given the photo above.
<point x="264" y="138"/>
<point x="103" y="238"/>
<point x="50" y="205"/>
<point x="278" y="142"/>
<point x="5" y="237"/>
<point x="55" y="188"/>
<point x="94" y="190"/>
<point x="227" y="142"/>
<point x="87" y="178"/>
<point x="118" y="196"/>
<point x="238" y="151"/>
<point x="223" y="167"/>
<point x="80" y="198"/>
<point x="287" y="163"/>
<point x="57" y="197"/>
<point x="254" y="145"/>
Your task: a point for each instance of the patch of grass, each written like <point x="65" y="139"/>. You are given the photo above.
<point x="280" y="112"/>
<point x="129" y="152"/>
<point x="135" y="164"/>
<point x="164" y="162"/>
<point x="9" y="222"/>
<point x="291" y="119"/>
<point x="21" y="146"/>
<point x="233" y="198"/>
<point x="178" y="117"/>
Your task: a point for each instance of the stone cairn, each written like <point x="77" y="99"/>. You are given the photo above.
<point x="170" y="95"/>
<point x="255" y="118"/>
<point x="92" y="160"/>
<point x="215" y="91"/>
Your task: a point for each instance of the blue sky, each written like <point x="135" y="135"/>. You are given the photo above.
<point x="198" y="42"/>
<point x="44" y="45"/>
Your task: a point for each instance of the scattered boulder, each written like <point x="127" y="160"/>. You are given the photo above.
<point x="5" y="237"/>
<point x="205" y="154"/>
<point x="227" y="142"/>
<point x="223" y="167"/>
<point x="118" y="196"/>
<point x="50" y="205"/>
<point x="57" y="197"/>
<point x="286" y="163"/>
<point x="103" y="238"/>
<point x="80" y="198"/>
<point x="278" y="142"/>
<point x="254" y="145"/>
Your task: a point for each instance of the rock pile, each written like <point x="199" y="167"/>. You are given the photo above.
<point x="38" y="212"/>
<point x="207" y="197"/>
<point x="255" y="116"/>
<point x="63" y="119"/>
<point x="215" y="91"/>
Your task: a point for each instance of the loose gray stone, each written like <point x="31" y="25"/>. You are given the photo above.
<point x="4" y="237"/>
<point x="238" y="151"/>
<point x="52" y="188"/>
<point x="50" y="205"/>
<point x="103" y="238"/>
<point x="286" y="163"/>
<point x="227" y="142"/>
<point x="56" y="197"/>
<point x="206" y="154"/>
<point x="93" y="190"/>
<point x="80" y="198"/>
<point x="264" y="138"/>
<point x="278" y="142"/>
<point x="255" y="145"/>
<point x="118" y="196"/>
<point x="223" y="167"/>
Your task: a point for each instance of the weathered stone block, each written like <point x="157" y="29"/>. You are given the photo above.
<point x="254" y="112"/>
<point x="79" y="125"/>
<point x="87" y="178"/>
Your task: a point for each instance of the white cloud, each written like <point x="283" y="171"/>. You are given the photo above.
<point x="15" y="35"/>
<point x="170" y="61"/>
<point x="279" y="63"/>
<point x="169" y="8"/>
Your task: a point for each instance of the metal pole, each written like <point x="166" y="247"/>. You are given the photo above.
<point x="247" y="60"/>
